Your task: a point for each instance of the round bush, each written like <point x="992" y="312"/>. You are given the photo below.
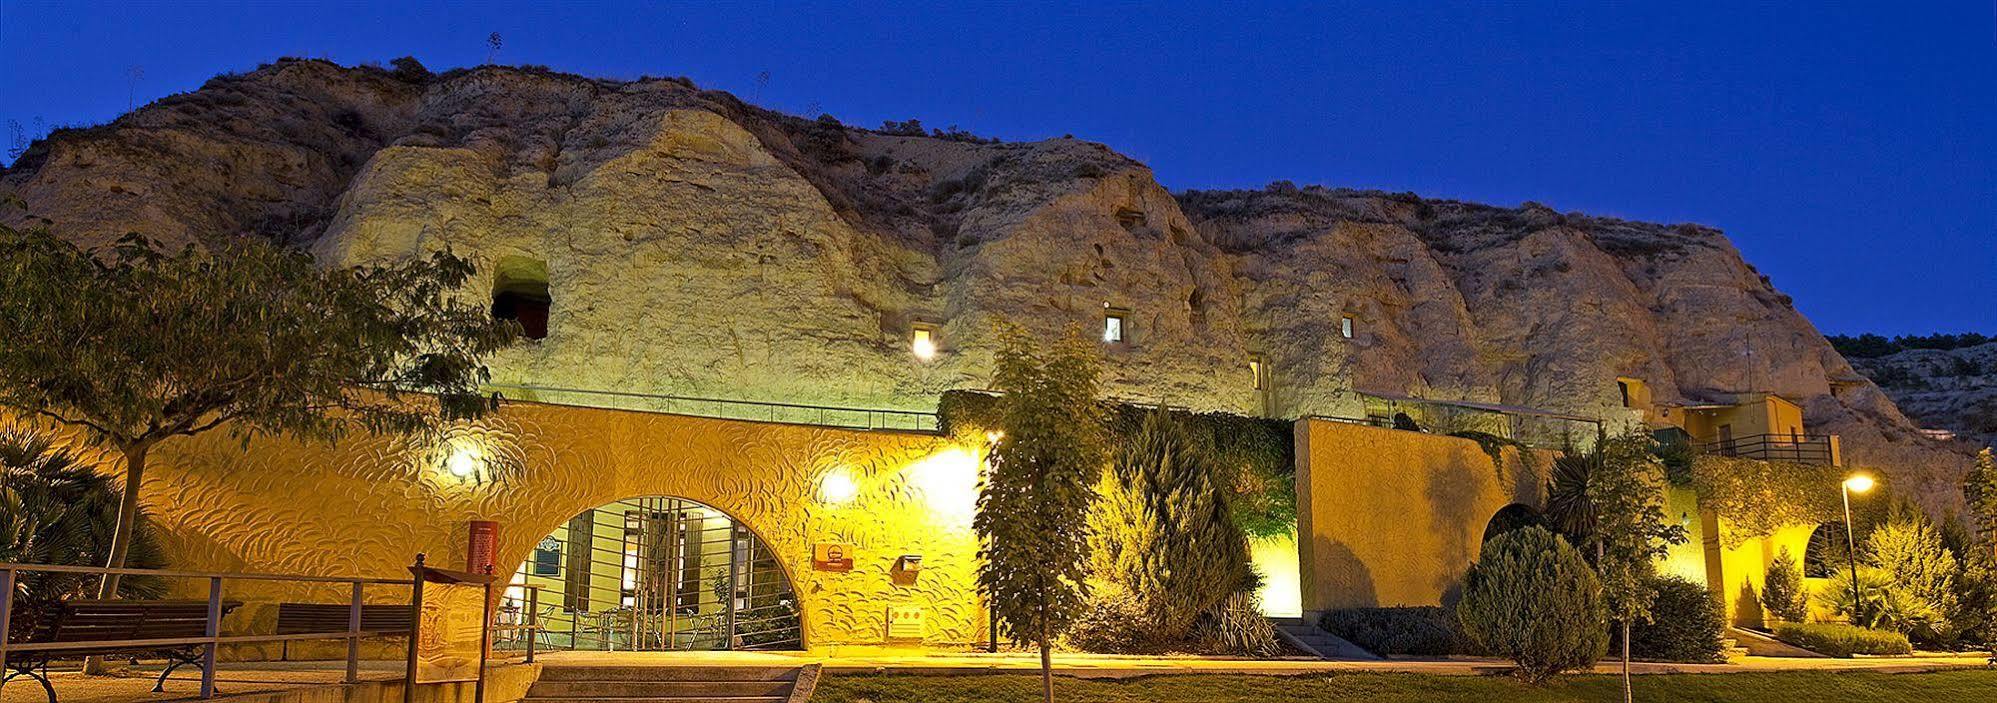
<point x="1686" y="625"/>
<point x="1531" y="598"/>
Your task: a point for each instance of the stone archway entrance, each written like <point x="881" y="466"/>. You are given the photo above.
<point x="659" y="573"/>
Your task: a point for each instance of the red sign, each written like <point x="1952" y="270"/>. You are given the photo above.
<point x="482" y="546"/>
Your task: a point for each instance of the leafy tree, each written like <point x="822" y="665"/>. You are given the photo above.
<point x="1782" y="589"/>
<point x="1032" y="516"/>
<point x="1625" y="491"/>
<point x="56" y="509"/>
<point x="1163" y="529"/>
<point x="136" y="346"/>
<point x="1531" y="598"/>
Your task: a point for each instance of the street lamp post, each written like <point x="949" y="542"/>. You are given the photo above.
<point x="1857" y="483"/>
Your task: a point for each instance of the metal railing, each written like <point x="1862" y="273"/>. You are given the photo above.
<point x="727" y="409"/>
<point x="1803" y="448"/>
<point x="212" y="638"/>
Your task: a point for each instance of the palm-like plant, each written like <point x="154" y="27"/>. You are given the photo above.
<point x="55" y="509"/>
<point x="1569" y="509"/>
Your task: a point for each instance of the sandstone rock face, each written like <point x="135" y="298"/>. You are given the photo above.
<point x="697" y="246"/>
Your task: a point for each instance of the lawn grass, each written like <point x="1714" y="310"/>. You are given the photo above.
<point x="1784" y="687"/>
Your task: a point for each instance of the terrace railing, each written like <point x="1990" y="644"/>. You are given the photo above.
<point x="727" y="409"/>
<point x="1801" y="448"/>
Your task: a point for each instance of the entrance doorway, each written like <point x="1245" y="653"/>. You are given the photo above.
<point x="657" y="574"/>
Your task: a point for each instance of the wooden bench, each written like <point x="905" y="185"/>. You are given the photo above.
<point x="111" y="626"/>
<point x="330" y="619"/>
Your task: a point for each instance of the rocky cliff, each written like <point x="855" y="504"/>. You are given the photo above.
<point x="699" y="246"/>
<point x="1944" y="389"/>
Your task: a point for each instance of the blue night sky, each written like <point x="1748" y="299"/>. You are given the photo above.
<point x="1850" y="151"/>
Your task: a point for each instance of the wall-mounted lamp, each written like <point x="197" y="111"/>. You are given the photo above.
<point x="837" y="487"/>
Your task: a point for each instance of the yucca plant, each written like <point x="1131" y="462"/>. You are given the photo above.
<point x="56" y="509"/>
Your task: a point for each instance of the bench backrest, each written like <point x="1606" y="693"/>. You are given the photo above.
<point x="99" y="620"/>
<point x="305" y="618"/>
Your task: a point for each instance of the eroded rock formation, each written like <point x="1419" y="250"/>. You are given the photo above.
<point x="698" y="246"/>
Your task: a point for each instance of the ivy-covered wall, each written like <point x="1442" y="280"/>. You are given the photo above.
<point x="1258" y="454"/>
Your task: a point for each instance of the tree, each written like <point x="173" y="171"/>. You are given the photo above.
<point x="135" y="346"/>
<point x="1631" y="531"/>
<point x="492" y="42"/>
<point x="56" y="509"/>
<point x="1032" y="516"/>
<point x="1979" y="490"/>
<point x="1531" y="598"/>
<point x="1163" y="529"/>
<point x="1782" y="589"/>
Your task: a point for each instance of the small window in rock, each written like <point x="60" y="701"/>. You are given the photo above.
<point x="1345" y="327"/>
<point x="922" y="341"/>
<point x="1623" y="387"/>
<point x="1113" y="325"/>
<point x="1258" y="371"/>
<point x="520" y="293"/>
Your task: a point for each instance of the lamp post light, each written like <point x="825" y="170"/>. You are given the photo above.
<point x="1856" y="483"/>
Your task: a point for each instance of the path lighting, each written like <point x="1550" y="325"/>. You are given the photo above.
<point x="1856" y="483"/>
<point x="837" y="488"/>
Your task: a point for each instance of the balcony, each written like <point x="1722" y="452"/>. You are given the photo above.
<point x="1805" y="449"/>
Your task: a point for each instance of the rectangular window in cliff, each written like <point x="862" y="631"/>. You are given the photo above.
<point x="1623" y="386"/>
<point x="1345" y="327"/>
<point x="520" y="293"/>
<point x="922" y="341"/>
<point x="1258" y="371"/>
<point x="1113" y="327"/>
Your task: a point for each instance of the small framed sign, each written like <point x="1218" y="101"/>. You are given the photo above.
<point x="832" y="556"/>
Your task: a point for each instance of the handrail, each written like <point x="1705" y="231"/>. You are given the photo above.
<point x="1772" y="446"/>
<point x="212" y="639"/>
<point x="168" y="573"/>
<point x="915" y="419"/>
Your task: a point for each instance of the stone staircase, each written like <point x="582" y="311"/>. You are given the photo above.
<point x="1303" y="633"/>
<point x="598" y="683"/>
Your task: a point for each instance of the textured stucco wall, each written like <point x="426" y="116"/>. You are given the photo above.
<point x="368" y="505"/>
<point x="1388" y="517"/>
<point x="1744" y="569"/>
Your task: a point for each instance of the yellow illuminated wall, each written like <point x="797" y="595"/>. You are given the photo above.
<point x="1390" y="518"/>
<point x="369" y="505"/>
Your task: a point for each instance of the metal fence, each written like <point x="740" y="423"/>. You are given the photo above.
<point x="727" y="409"/>
<point x="98" y="635"/>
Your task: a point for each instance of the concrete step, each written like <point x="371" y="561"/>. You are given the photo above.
<point x="572" y="690"/>
<point x="563" y="673"/>
<point x="1304" y="634"/>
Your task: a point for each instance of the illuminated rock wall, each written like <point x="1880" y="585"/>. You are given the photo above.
<point x="368" y="506"/>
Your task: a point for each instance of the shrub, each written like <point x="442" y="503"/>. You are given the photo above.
<point x="1235" y="627"/>
<point x="1782" y="592"/>
<point x="1686" y="624"/>
<point x="1426" y="631"/>
<point x="410" y="70"/>
<point x="1114" y="622"/>
<point x="1922" y="572"/>
<point x="1840" y="640"/>
<point x="1162" y="529"/>
<point x="1532" y="599"/>
<point x="54" y="509"/>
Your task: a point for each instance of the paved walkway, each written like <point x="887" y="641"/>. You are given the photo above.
<point x="841" y="660"/>
<point x="237" y="679"/>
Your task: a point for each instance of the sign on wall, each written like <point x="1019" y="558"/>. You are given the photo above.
<point x="832" y="556"/>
